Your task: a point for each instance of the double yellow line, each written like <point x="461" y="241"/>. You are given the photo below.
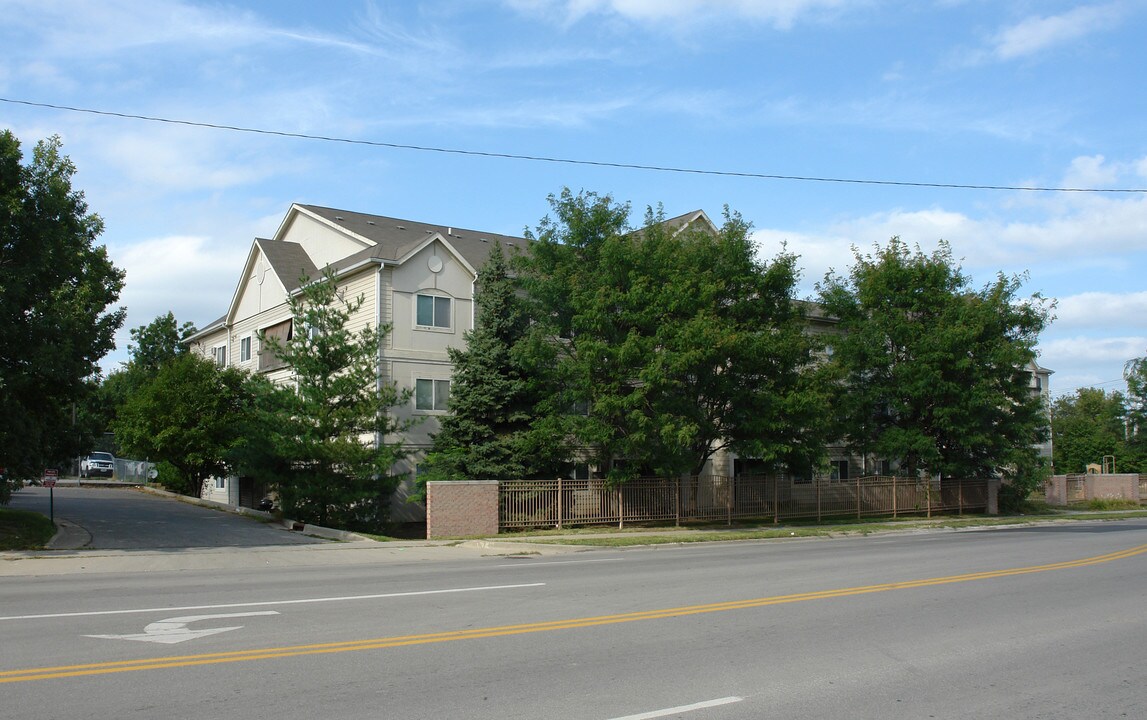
<point x="66" y="671"/>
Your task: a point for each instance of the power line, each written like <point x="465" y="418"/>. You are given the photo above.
<point x="565" y="161"/>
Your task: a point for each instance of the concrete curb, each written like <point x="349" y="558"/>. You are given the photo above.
<point x="515" y="547"/>
<point x="69" y="536"/>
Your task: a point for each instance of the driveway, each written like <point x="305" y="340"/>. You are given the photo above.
<point x="128" y="519"/>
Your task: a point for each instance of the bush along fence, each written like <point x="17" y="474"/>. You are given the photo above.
<point x="560" y="503"/>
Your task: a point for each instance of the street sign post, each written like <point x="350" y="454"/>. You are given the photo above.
<point x="49" y="480"/>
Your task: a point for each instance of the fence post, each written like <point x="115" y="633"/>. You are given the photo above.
<point x="620" y="508"/>
<point x="561" y="497"/>
<point x="728" y="501"/>
<point x="857" y="497"/>
<point x="776" y="499"/>
<point x="928" y="494"/>
<point x="677" y="501"/>
<point x="893" y="497"/>
<point x="816" y="487"/>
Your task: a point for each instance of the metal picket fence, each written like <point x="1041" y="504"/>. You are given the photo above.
<point x="558" y="503"/>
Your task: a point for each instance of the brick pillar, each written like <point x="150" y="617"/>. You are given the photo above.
<point x="461" y="508"/>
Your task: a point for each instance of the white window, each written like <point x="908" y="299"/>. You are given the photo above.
<point x="220" y="355"/>
<point x="245" y="349"/>
<point x="220" y="483"/>
<point x="431" y="394"/>
<point x="432" y="311"/>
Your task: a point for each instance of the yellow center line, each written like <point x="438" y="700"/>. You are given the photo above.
<point x="105" y="668"/>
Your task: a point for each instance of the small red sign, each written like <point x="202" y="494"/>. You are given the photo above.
<point x="50" y="477"/>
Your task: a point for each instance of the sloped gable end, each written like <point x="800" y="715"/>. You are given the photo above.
<point x="326" y="241"/>
<point x="273" y="269"/>
<point x="696" y="220"/>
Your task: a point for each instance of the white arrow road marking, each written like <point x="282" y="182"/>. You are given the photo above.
<point x="175" y="630"/>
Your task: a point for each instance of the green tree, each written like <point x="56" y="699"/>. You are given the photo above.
<point x="152" y="346"/>
<point x="190" y="415"/>
<point x="674" y="338"/>
<point x="160" y="341"/>
<point x="56" y="288"/>
<point x="1086" y="427"/>
<point x="936" y="373"/>
<point x="1135" y="374"/>
<point x="492" y="430"/>
<point x="333" y="448"/>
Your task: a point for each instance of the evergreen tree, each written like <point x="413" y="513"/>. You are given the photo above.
<point x="333" y="449"/>
<point x="491" y="432"/>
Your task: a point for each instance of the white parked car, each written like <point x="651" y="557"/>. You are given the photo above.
<point x="99" y="464"/>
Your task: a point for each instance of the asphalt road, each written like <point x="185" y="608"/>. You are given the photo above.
<point x="124" y="518"/>
<point x="1034" y="622"/>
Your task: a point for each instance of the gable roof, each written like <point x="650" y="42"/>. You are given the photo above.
<point x="679" y="223"/>
<point x="384" y="240"/>
<point x="288" y="260"/>
<point x="394" y="239"/>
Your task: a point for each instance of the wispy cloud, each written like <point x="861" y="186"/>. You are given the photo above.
<point x="105" y="28"/>
<point x="780" y="14"/>
<point x="1037" y="34"/>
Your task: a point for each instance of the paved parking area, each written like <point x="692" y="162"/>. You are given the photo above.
<point x="123" y="518"/>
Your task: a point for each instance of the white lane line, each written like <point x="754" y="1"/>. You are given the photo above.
<point x="265" y="603"/>
<point x="556" y="562"/>
<point x="682" y="709"/>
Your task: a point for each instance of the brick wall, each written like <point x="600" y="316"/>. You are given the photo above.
<point x="1065" y="489"/>
<point x="461" y="508"/>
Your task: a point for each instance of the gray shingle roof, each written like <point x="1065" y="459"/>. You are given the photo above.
<point x="394" y="238"/>
<point x="289" y="261"/>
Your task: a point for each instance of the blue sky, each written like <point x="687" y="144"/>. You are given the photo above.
<point x="954" y="92"/>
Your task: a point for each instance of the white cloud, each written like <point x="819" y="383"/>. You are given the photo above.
<point x="1141" y="168"/>
<point x="1092" y="244"/>
<point x="1036" y="34"/>
<point x="179" y="160"/>
<point x="1086" y="360"/>
<point x="1095" y="310"/>
<point x="178" y="274"/>
<point x="1091" y="172"/>
<point x="781" y="14"/>
<point x="111" y="26"/>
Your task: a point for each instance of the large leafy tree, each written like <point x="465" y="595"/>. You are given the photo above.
<point x="936" y="373"/>
<point x="333" y="449"/>
<point x="152" y="346"/>
<point x="189" y="417"/>
<point x="673" y="339"/>
<point x="494" y="430"/>
<point x="1135" y="374"/>
<point x="1088" y="426"/>
<point x="57" y="287"/>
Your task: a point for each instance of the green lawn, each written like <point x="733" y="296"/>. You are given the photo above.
<point x="24" y="530"/>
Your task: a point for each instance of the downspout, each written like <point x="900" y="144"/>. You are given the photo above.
<point x="378" y="327"/>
